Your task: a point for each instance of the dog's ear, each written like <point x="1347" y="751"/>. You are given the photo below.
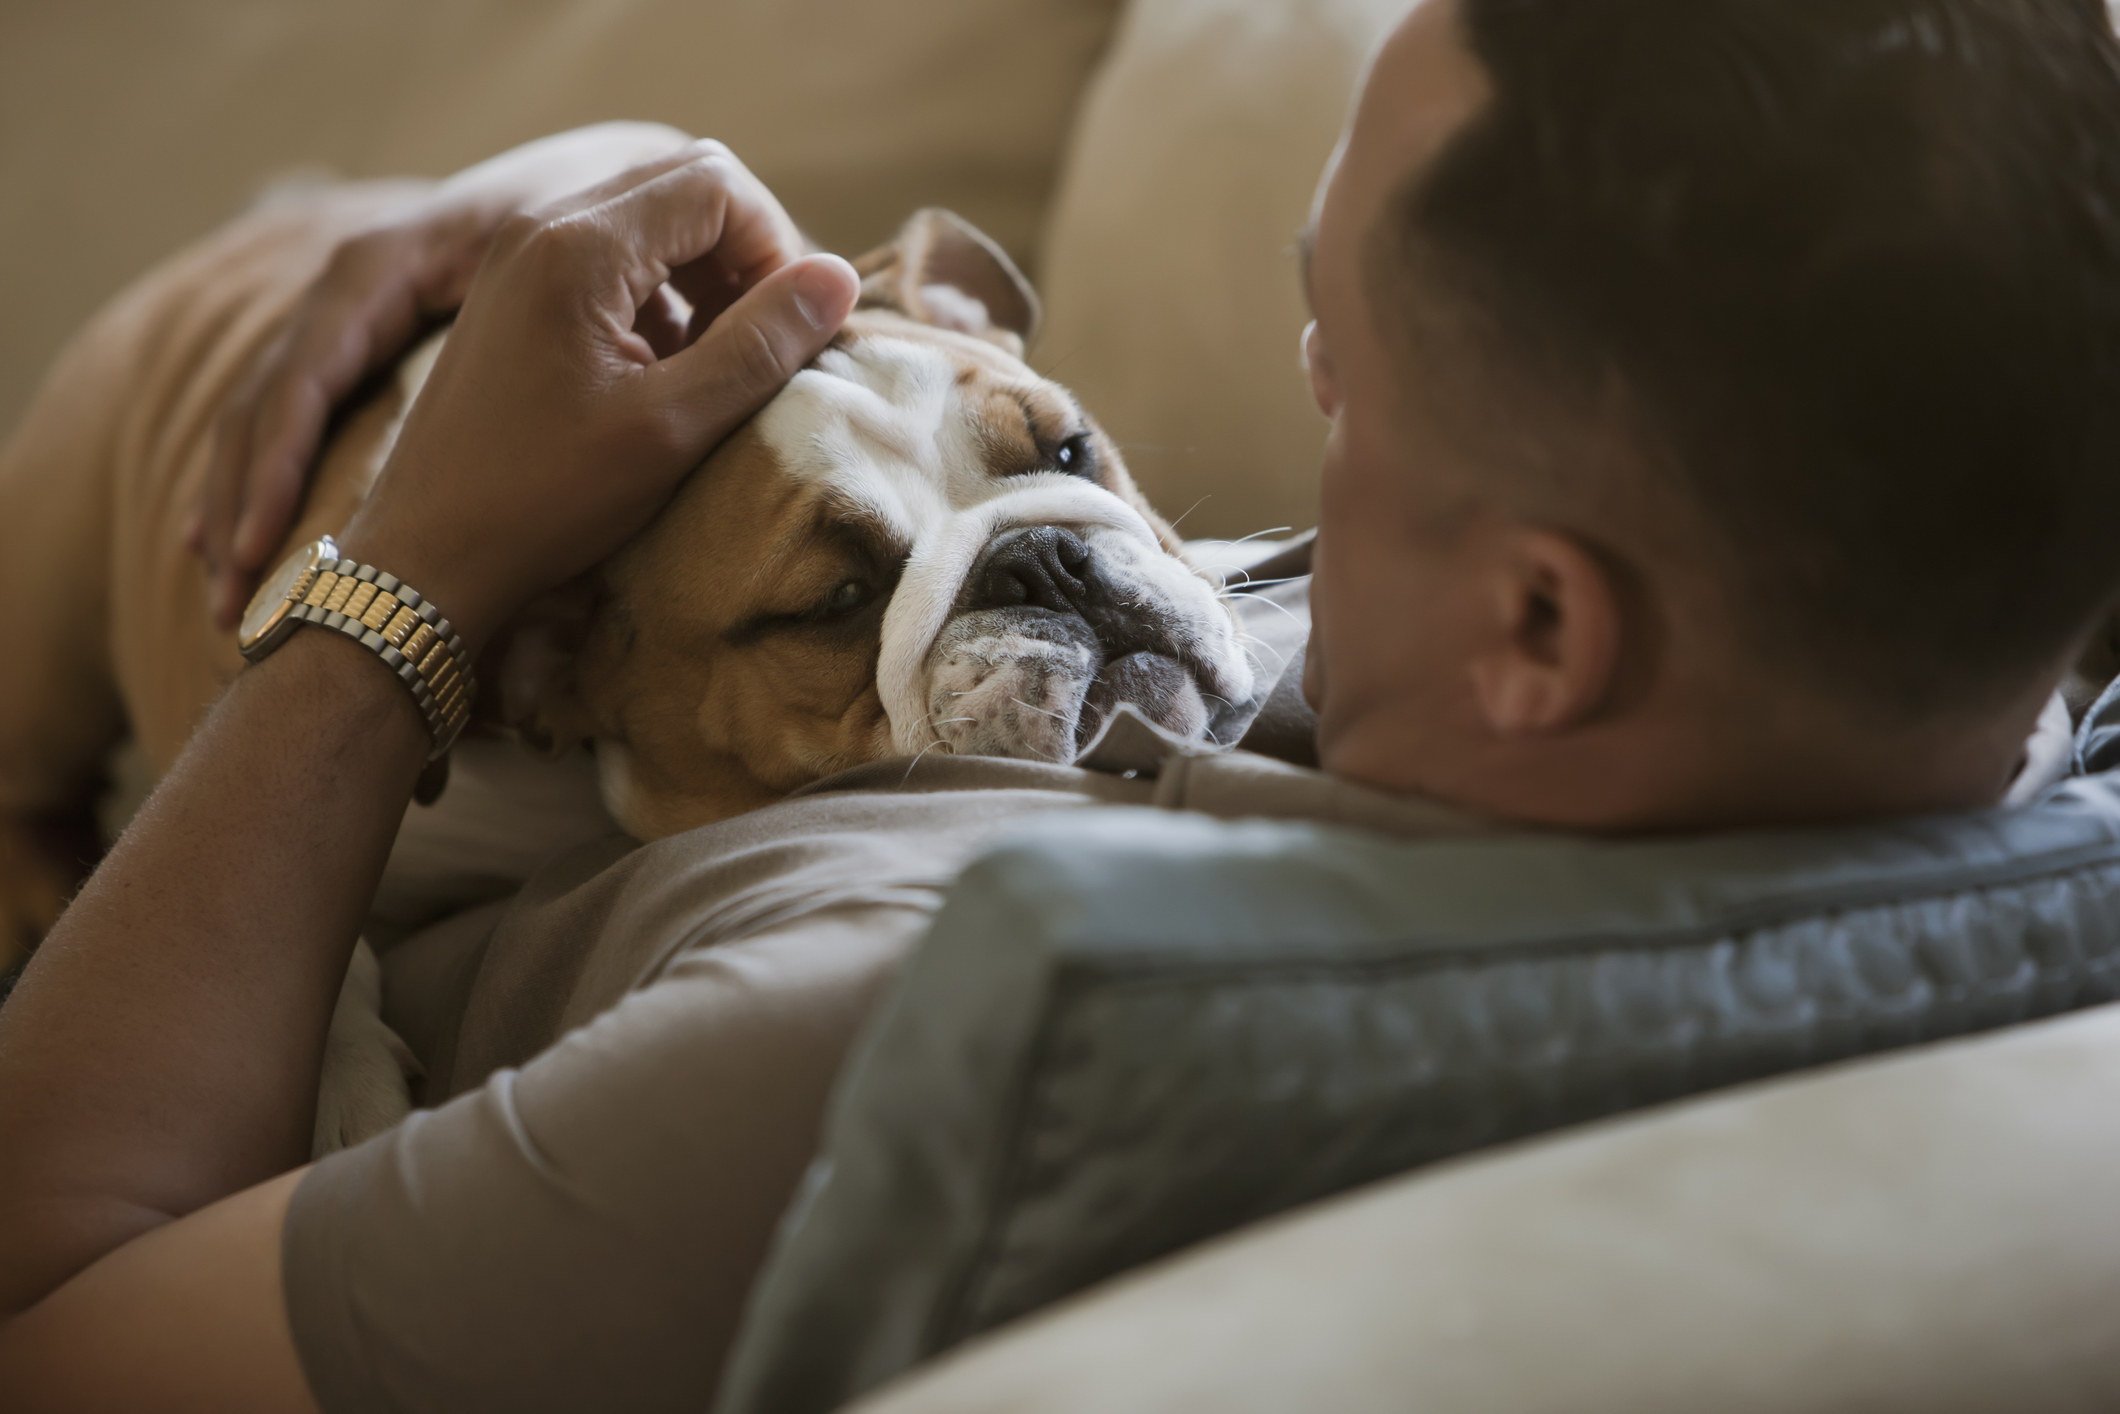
<point x="530" y="670"/>
<point x="944" y="271"/>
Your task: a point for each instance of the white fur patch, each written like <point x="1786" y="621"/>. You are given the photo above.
<point x="884" y="424"/>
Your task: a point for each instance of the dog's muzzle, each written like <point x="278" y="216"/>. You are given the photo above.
<point x="1042" y="583"/>
<point x="1054" y="624"/>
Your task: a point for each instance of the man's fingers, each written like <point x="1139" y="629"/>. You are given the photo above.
<point x="751" y="352"/>
<point x="745" y="230"/>
<point x="220" y="500"/>
<point x="365" y="306"/>
<point x="639" y="173"/>
<point x="554" y="167"/>
<point x="757" y="237"/>
<point x="330" y="358"/>
<point x="709" y="289"/>
<point x="337" y="342"/>
<point x="663" y="322"/>
<point x="700" y="223"/>
<point x="289" y="432"/>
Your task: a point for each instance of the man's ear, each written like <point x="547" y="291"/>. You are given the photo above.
<point x="942" y="270"/>
<point x="1551" y="653"/>
<point x="530" y="669"/>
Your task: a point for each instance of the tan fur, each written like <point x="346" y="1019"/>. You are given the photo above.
<point x="703" y="725"/>
<point x="106" y="618"/>
<point x="696" y="720"/>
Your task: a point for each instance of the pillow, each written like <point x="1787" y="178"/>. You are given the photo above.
<point x="1131" y="1030"/>
<point x="1172" y="299"/>
<point x="134" y="126"/>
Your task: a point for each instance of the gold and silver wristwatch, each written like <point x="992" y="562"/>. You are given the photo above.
<point x="378" y="611"/>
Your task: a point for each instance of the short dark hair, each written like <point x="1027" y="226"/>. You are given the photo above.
<point x="1856" y="265"/>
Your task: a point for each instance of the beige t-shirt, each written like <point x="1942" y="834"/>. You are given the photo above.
<point x="629" y="1061"/>
<point x="633" y="1060"/>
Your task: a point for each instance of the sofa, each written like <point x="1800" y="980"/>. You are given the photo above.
<point x="1930" y="1232"/>
<point x="1149" y="163"/>
<point x="1172" y="1113"/>
<point x="1906" y="1205"/>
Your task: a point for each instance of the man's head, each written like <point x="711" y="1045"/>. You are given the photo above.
<point x="1726" y="401"/>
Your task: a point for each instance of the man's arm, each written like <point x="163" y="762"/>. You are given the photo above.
<point x="161" y="1051"/>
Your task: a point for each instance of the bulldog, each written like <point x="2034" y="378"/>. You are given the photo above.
<point x="921" y="545"/>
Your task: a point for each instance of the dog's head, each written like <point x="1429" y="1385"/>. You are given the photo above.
<point x="920" y="545"/>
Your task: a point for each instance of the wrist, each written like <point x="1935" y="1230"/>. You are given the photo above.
<point x="446" y="577"/>
<point x="334" y="675"/>
<point x="387" y="616"/>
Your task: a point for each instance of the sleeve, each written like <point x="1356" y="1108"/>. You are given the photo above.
<point x="580" y="1234"/>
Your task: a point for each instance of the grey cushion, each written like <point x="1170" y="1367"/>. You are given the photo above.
<point x="2098" y="739"/>
<point x="1131" y="1030"/>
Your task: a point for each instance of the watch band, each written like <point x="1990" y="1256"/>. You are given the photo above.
<point x="392" y="620"/>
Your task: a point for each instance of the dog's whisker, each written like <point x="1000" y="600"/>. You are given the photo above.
<point x="1262" y="534"/>
<point x="1210" y="554"/>
<point x="1053" y="368"/>
<point x="1278" y="608"/>
<point x="1260" y="664"/>
<point x="922" y="757"/>
<point x="1244" y="638"/>
<point x="1188" y="511"/>
<point x="1039" y="710"/>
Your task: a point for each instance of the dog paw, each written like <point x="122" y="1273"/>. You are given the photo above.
<point x="366" y="1085"/>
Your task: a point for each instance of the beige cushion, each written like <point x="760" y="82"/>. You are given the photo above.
<point x="1172" y="299"/>
<point x="1932" y="1232"/>
<point x="128" y="127"/>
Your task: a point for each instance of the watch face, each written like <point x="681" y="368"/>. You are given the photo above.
<point x="268" y="606"/>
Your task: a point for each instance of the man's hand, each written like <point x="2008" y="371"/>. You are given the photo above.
<point x="379" y="290"/>
<point x="552" y="428"/>
<point x="160" y="1052"/>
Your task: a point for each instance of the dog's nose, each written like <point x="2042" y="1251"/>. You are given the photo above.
<point x="1044" y="567"/>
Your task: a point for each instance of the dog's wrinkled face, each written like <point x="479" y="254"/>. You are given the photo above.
<point x="920" y="545"/>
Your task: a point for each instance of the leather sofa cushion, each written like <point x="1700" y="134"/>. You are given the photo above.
<point x="1130" y="1031"/>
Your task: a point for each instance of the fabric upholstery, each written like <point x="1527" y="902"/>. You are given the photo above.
<point x="1171" y="291"/>
<point x="130" y="127"/>
<point x="1926" y="1233"/>
<point x="1130" y="1032"/>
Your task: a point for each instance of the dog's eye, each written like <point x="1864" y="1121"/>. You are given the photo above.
<point x="1076" y="457"/>
<point x="847" y="597"/>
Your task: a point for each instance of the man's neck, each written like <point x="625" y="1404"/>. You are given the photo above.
<point x="1708" y="771"/>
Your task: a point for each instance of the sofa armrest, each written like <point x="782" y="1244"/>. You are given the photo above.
<point x="1933" y="1231"/>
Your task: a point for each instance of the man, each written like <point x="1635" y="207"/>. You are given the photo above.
<point x="1723" y="398"/>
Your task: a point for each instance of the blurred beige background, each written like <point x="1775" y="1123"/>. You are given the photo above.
<point x="1189" y="133"/>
